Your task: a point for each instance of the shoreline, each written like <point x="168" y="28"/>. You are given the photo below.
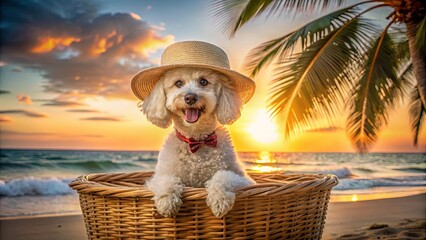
<point x="339" y="197"/>
<point x="49" y="215"/>
<point x="335" y="197"/>
<point x="343" y="218"/>
<point x="376" y="194"/>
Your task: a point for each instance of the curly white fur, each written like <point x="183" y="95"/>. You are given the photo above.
<point x="217" y="169"/>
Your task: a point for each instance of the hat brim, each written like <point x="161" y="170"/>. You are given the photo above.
<point x="144" y="81"/>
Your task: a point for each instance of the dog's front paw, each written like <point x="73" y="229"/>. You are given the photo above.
<point x="168" y="205"/>
<point x="220" y="202"/>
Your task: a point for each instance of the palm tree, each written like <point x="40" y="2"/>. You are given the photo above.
<point x="345" y="60"/>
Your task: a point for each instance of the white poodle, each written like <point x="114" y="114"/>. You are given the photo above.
<point x="199" y="153"/>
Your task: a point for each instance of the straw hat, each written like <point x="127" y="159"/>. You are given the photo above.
<point x="192" y="54"/>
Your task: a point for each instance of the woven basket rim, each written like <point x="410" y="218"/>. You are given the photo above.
<point x="98" y="184"/>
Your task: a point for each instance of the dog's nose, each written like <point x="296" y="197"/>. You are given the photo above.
<point x="191" y="98"/>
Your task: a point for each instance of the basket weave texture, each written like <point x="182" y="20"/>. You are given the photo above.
<point x="279" y="206"/>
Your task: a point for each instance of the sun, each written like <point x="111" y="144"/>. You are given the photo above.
<point x="262" y="128"/>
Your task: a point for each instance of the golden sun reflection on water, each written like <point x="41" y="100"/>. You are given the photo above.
<point x="378" y="194"/>
<point x="265" y="157"/>
<point x="263" y="163"/>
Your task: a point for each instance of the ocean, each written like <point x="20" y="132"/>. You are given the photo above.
<point x="35" y="182"/>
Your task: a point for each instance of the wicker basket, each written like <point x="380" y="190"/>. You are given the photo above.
<point x="279" y="206"/>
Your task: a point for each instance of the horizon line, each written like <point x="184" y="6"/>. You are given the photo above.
<point x="126" y="150"/>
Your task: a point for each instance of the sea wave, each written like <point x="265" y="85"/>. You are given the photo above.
<point x="55" y="158"/>
<point x="364" y="170"/>
<point x="88" y="165"/>
<point x="412" y="169"/>
<point x="365" y="183"/>
<point x="32" y="186"/>
<point x="342" y="172"/>
<point x="97" y="165"/>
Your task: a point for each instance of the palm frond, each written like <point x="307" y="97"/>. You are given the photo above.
<point x="375" y="93"/>
<point x="306" y="35"/>
<point x="399" y="37"/>
<point x="417" y="113"/>
<point x="311" y="85"/>
<point x="406" y="78"/>
<point x="402" y="55"/>
<point x="231" y="15"/>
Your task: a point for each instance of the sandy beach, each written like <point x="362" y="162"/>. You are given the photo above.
<point x="395" y="218"/>
<point x="345" y="218"/>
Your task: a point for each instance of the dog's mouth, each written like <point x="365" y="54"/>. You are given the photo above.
<point x="192" y="114"/>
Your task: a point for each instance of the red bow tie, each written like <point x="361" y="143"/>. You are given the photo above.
<point x="194" y="145"/>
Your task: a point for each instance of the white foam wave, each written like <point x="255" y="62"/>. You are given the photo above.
<point x="342" y="172"/>
<point x="31" y="186"/>
<point x="352" y="184"/>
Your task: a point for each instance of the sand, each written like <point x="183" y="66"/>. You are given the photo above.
<point x="351" y="217"/>
<point x="406" y="229"/>
<point x="46" y="228"/>
<point x="396" y="218"/>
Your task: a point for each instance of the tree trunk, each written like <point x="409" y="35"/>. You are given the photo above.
<point x="418" y="59"/>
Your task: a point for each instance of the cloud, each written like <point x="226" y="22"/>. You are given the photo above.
<point x="16" y="133"/>
<point x="326" y="129"/>
<point x="107" y="119"/>
<point x="8" y="132"/>
<point x="160" y="27"/>
<point x="83" y="111"/>
<point x="25" y="113"/>
<point x="93" y="136"/>
<point x="5" y="119"/>
<point x="4" y="92"/>
<point x="24" y="99"/>
<point x="60" y="103"/>
<point x="135" y="16"/>
<point x="76" y="47"/>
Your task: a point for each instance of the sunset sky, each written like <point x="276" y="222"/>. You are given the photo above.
<point x="66" y="67"/>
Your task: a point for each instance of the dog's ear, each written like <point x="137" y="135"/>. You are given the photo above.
<point x="154" y="107"/>
<point x="229" y="106"/>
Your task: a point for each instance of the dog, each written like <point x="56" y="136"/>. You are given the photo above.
<point x="198" y="102"/>
<point x="195" y="89"/>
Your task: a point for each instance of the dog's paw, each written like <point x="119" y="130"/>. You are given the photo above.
<point x="220" y="202"/>
<point x="168" y="205"/>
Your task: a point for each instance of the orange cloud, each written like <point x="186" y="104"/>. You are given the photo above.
<point x="108" y="119"/>
<point x="24" y="99"/>
<point x="152" y="43"/>
<point x="102" y="44"/>
<point x="144" y="45"/>
<point x="5" y="119"/>
<point x="60" y="103"/>
<point x="96" y="55"/>
<point x="47" y="44"/>
<point x="24" y="112"/>
<point x="83" y="111"/>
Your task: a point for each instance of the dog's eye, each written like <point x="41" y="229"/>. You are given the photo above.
<point x="203" y="82"/>
<point x="178" y="83"/>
